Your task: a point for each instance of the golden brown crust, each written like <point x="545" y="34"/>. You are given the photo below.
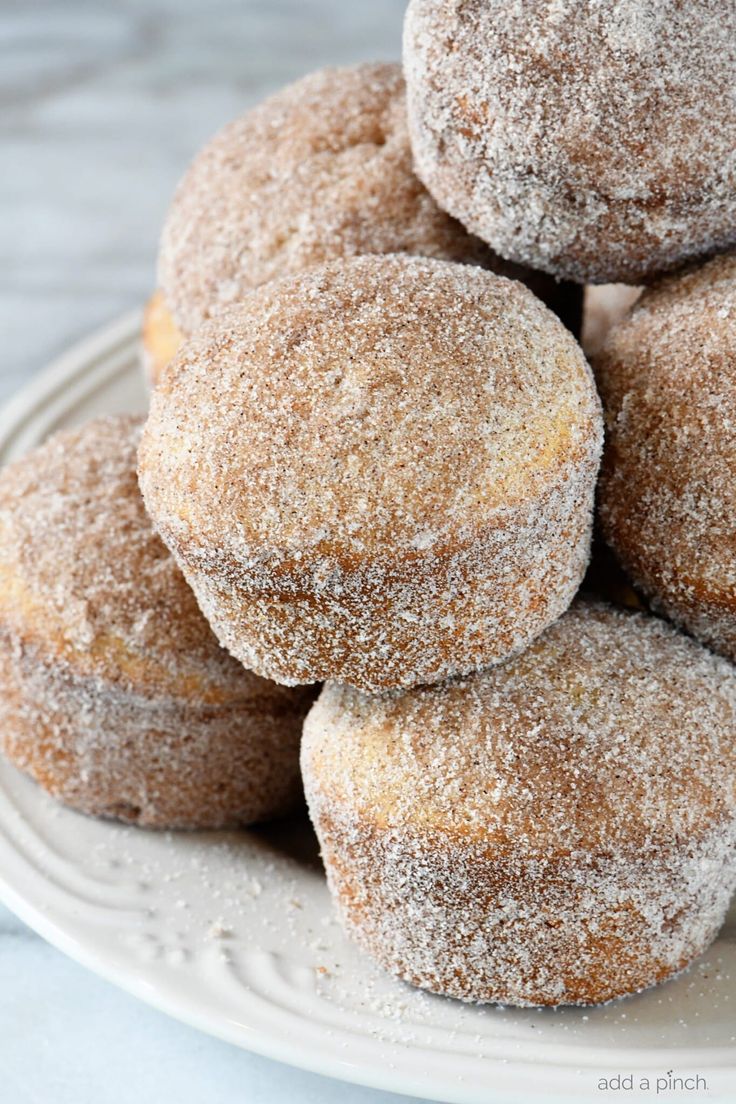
<point x="161" y="337"/>
<point x="391" y="479"/>
<point x="157" y="763"/>
<point x="461" y="923"/>
<point x="593" y="140"/>
<point x="320" y="170"/>
<point x="558" y="829"/>
<point x="113" y="684"/>
<point x="667" y="488"/>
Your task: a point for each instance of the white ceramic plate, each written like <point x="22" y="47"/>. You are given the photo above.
<point x="233" y="932"/>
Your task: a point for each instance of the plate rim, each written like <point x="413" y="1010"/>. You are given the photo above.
<point x="78" y="362"/>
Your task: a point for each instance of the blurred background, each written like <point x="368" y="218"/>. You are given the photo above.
<point x="103" y="106"/>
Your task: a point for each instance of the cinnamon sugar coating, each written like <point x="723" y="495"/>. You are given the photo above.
<point x="559" y="829"/>
<point x="668" y="488"/>
<point x="114" y="694"/>
<point x="320" y="170"/>
<point x="380" y="471"/>
<point x="593" y="139"/>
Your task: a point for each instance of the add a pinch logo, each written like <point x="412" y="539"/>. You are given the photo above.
<point x="657" y="1085"/>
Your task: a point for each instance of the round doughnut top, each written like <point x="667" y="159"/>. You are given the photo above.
<point x="668" y="376"/>
<point x="594" y="139"/>
<point x="84" y="578"/>
<point x="611" y="732"/>
<point x="376" y="405"/>
<point x="320" y="170"/>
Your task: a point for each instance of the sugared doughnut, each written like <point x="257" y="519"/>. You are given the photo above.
<point x="593" y="139"/>
<point x="560" y="829"/>
<point x="114" y="694"/>
<point x="668" y="488"/>
<point x="380" y="471"/>
<point x="320" y="170"/>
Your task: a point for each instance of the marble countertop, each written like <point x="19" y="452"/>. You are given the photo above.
<point x="103" y="106"/>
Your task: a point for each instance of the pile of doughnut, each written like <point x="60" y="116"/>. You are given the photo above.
<point x="373" y="460"/>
